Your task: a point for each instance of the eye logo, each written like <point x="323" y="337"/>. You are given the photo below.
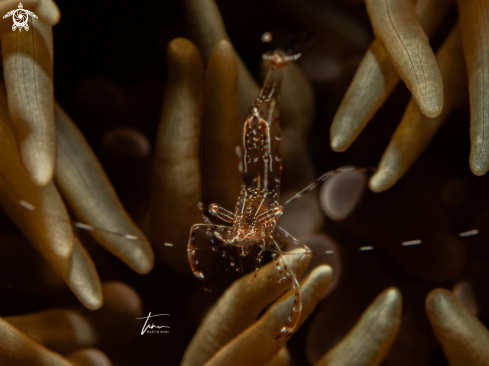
<point x="20" y="17"/>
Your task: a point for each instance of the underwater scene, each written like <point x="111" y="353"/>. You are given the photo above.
<point x="210" y="182"/>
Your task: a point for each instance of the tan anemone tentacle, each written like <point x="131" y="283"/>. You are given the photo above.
<point x="18" y="349"/>
<point x="297" y="108"/>
<point x="397" y="26"/>
<point x="89" y="193"/>
<point x="47" y="11"/>
<point x="465" y="340"/>
<point x="65" y="330"/>
<point x="474" y="23"/>
<point x="369" y="341"/>
<point x="28" y="70"/>
<point x="176" y="177"/>
<point x="416" y="130"/>
<point x="206" y="28"/>
<point x="257" y="344"/>
<point x="237" y="309"/>
<point x="375" y="79"/>
<point x="41" y="215"/>
<point x="221" y="128"/>
<point x="89" y="357"/>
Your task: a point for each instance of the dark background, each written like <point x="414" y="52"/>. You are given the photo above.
<point x="110" y="71"/>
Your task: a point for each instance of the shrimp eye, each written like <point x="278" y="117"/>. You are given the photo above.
<point x="213" y="209"/>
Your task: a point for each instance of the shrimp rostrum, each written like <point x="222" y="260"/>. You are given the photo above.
<point x="257" y="210"/>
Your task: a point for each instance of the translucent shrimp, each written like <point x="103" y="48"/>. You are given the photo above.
<point x="257" y="210"/>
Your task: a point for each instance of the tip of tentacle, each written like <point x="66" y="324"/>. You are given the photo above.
<point x="479" y="164"/>
<point x="382" y="180"/>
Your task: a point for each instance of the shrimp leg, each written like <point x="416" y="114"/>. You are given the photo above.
<point x="192" y="249"/>
<point x="283" y="267"/>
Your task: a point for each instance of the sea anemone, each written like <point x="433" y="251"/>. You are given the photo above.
<point x="393" y="284"/>
<point x="438" y="83"/>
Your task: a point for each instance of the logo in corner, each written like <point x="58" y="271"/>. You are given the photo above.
<point x="153" y="328"/>
<point x="20" y="17"/>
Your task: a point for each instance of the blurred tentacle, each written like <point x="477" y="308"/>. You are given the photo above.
<point x="297" y="107"/>
<point x="236" y="310"/>
<point x="89" y="193"/>
<point x="221" y="128"/>
<point x="18" y="349"/>
<point x="282" y="358"/>
<point x="66" y="330"/>
<point x="47" y="11"/>
<point x="176" y="172"/>
<point x="206" y="29"/>
<point x="369" y="341"/>
<point x="41" y="215"/>
<point x="89" y="357"/>
<point x="28" y="71"/>
<point x="257" y="344"/>
<point x="465" y="340"/>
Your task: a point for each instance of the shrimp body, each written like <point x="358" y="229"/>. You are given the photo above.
<point x="257" y="210"/>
